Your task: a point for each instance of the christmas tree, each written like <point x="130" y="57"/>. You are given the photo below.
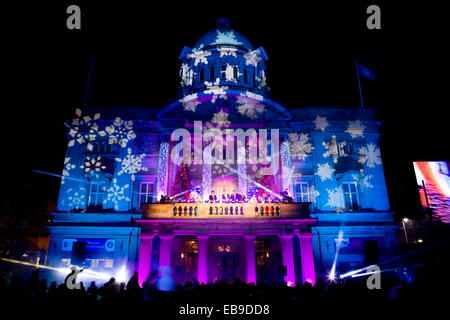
<point x="269" y="181"/>
<point x="182" y="182"/>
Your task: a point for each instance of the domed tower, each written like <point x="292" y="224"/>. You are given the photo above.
<point x="223" y="58"/>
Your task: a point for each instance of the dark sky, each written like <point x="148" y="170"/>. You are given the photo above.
<point x="311" y="47"/>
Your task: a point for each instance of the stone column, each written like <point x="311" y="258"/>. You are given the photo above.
<point x="145" y="257"/>
<point x="202" y="264"/>
<point x="287" y="256"/>
<point x="250" y="258"/>
<point x="165" y="250"/>
<point x="307" y="258"/>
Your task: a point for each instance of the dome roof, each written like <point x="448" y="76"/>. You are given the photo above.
<point x="223" y="35"/>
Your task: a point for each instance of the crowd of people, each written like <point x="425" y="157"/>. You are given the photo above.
<point x="234" y="197"/>
<point x="426" y="288"/>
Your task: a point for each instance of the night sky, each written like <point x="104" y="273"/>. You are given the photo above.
<point x="135" y="48"/>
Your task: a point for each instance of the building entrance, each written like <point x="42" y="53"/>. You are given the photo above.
<point x="225" y="256"/>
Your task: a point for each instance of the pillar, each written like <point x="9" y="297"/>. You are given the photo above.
<point x="165" y="250"/>
<point x="145" y="257"/>
<point x="287" y="256"/>
<point x="250" y="258"/>
<point x="307" y="258"/>
<point x="202" y="264"/>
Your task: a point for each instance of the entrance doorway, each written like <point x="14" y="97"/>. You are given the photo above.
<point x="225" y="256"/>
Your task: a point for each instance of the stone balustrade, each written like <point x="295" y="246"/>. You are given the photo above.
<point x="225" y="210"/>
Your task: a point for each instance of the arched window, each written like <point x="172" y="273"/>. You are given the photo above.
<point x="202" y="75"/>
<point x="211" y="73"/>
<point x="245" y="75"/>
<point x="223" y="72"/>
<point x="235" y="73"/>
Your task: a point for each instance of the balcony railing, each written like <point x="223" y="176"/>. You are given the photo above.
<point x="225" y="210"/>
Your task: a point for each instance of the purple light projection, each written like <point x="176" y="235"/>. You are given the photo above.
<point x="307" y="258"/>
<point x="145" y="258"/>
<point x="288" y="258"/>
<point x="202" y="274"/>
<point x="251" y="258"/>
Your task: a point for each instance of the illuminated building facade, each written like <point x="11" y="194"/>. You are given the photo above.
<point x="309" y="181"/>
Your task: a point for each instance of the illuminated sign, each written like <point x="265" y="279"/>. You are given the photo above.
<point x="92" y="244"/>
<point x="433" y="181"/>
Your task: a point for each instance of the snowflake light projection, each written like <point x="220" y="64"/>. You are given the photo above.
<point x="227" y="52"/>
<point x="366" y="181"/>
<point x="261" y="79"/>
<point x="248" y="108"/>
<point x="219" y="170"/>
<point x="252" y="95"/>
<point x="187" y="74"/>
<point x="300" y="145"/>
<point x="321" y="123"/>
<point x="199" y="56"/>
<point x="120" y="132"/>
<point x="370" y="155"/>
<point x="83" y="130"/>
<point x="227" y="37"/>
<point x="66" y="169"/>
<point x="221" y="119"/>
<point x="76" y="199"/>
<point x="332" y="149"/>
<point x="191" y="105"/>
<point x="131" y="164"/>
<point x="254" y="172"/>
<point x="324" y="171"/>
<point x="336" y="199"/>
<point x="313" y="194"/>
<point x="253" y="58"/>
<point x="94" y="164"/>
<point x="215" y="90"/>
<point x="355" y="129"/>
<point x="116" y="193"/>
<point x="229" y="73"/>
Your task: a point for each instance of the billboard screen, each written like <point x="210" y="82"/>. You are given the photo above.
<point x="433" y="181"/>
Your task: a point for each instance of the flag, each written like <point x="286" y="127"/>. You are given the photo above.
<point x="366" y="73"/>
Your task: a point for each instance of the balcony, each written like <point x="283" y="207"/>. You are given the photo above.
<point x="226" y="210"/>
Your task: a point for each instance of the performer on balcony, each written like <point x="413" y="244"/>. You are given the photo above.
<point x="235" y="197"/>
<point x="212" y="197"/>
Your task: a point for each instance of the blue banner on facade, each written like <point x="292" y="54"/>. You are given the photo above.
<point x="92" y="244"/>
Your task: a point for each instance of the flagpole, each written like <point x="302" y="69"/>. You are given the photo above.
<point x="359" y="84"/>
<point x="88" y="82"/>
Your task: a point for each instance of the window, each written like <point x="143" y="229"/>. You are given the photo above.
<point x="146" y="192"/>
<point x="302" y="192"/>
<point x="245" y="75"/>
<point x="211" y="73"/>
<point x="223" y="72"/>
<point x="235" y="73"/>
<point x="350" y="195"/>
<point x="101" y="147"/>
<point x="345" y="148"/>
<point x="202" y="75"/>
<point x="96" y="192"/>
